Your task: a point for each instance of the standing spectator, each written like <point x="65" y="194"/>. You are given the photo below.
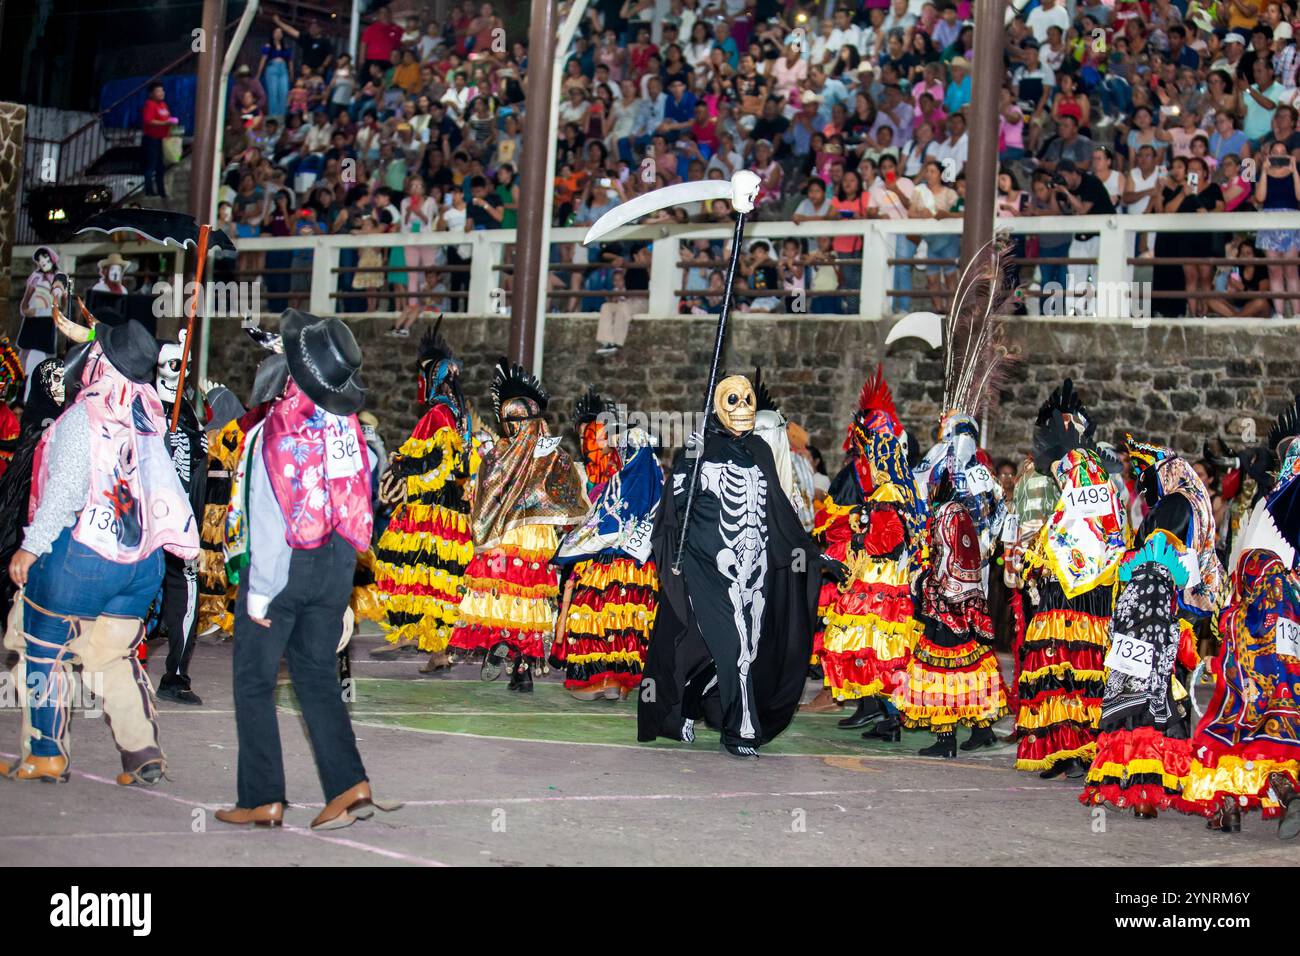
<point x="951" y="153"/>
<point x="245" y="83"/>
<point x="273" y="70"/>
<point x="317" y="50"/>
<point x="1259" y="100"/>
<point x="380" y="41"/>
<point x="850" y="203"/>
<point x="1278" y="190"/>
<point x="1048" y="14"/>
<point x="1052" y="276"/>
<point x="1082" y="194"/>
<point x="156" y="124"/>
<point x="419" y="215"/>
<point x="933" y="199"/>
<point x="891" y="196"/>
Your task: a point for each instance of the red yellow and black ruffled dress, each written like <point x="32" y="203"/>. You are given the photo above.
<point x="421" y="558"/>
<point x="216" y="593"/>
<point x="871" y="628"/>
<point x="1143" y="751"/>
<point x="833" y="528"/>
<point x="1251" y="728"/>
<point x="612" y="608"/>
<point x="1074" y="563"/>
<point x="953" y="675"/>
<point x="526" y="489"/>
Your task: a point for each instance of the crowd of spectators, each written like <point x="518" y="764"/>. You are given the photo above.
<point x="1173" y="106"/>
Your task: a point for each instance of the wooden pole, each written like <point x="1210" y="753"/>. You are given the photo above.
<point x="982" y="157"/>
<point x="192" y="311"/>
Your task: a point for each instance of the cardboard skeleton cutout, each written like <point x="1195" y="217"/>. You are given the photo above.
<point x="169" y="369"/>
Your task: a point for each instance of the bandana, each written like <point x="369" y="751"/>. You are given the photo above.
<point x="1085" y="534"/>
<point x="136" y="504"/>
<point x="624" y="513"/>
<point x="317" y="465"/>
<point x="525" y="479"/>
<point x="1176" y="477"/>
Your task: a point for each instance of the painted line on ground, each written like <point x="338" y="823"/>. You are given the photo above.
<point x="298" y="831"/>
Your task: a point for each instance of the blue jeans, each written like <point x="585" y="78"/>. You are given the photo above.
<point x="73" y="581"/>
<point x="276" y="80"/>
<point x="1116" y="96"/>
<point x="850" y="280"/>
<point x="904" y="248"/>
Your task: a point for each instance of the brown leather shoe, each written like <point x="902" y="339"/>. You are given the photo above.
<point x="823" y="703"/>
<point x="350" y="806"/>
<point x="436" y="662"/>
<point x="267" y="815"/>
<point x="45" y="769"/>
<point x="1144" y="811"/>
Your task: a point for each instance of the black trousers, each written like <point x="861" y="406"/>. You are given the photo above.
<point x="180" y="615"/>
<point x="306" y="624"/>
<point x="154" y="165"/>
<point x="715" y="618"/>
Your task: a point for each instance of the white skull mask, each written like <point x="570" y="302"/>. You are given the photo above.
<point x="169" y="369"/>
<point x="734" y="403"/>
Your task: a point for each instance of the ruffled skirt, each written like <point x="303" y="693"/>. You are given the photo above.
<point x="608" y="624"/>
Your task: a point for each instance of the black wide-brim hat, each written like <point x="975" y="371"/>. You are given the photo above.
<point x="131" y="350"/>
<point x="325" y="360"/>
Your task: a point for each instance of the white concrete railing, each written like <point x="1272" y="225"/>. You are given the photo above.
<point x="486" y="298"/>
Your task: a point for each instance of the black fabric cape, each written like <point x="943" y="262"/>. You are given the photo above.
<point x="678" y="664"/>
<point x="189" y="435"/>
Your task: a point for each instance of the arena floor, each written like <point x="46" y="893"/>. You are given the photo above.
<point x="490" y="778"/>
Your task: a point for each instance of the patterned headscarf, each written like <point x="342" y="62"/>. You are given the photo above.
<point x="525" y="479"/>
<point x="624" y="514"/>
<point x="1084" y="537"/>
<point x="892" y="480"/>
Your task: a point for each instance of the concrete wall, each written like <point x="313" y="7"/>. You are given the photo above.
<point x="1176" y="383"/>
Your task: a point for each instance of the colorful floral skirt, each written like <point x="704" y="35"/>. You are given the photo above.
<point x="608" y="624"/>
<point x="420" y="562"/>
<point x="1062" y="677"/>
<point x="216" y="595"/>
<point x="510" y="593"/>
<point x="1242" y="777"/>
<point x="870" y="633"/>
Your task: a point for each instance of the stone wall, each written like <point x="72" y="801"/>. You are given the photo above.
<point x="1174" y="384"/>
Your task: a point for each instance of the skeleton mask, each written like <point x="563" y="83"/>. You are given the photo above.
<point x="734" y="403"/>
<point x="169" y="369"/>
<point x="54" y="384"/>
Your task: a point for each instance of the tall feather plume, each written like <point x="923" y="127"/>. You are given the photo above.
<point x="976" y="356"/>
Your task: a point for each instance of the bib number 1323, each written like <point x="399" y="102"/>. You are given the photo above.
<point x="1130" y="655"/>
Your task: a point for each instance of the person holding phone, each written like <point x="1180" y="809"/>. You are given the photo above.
<point x="1278" y="190"/>
<point x="850" y="203"/>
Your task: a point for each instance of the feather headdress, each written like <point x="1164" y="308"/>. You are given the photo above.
<point x="976" y="356"/>
<point x="876" y="409"/>
<point x="511" y="382"/>
<point x="764" y="400"/>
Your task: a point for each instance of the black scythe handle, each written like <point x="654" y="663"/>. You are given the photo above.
<point x="718" y="342"/>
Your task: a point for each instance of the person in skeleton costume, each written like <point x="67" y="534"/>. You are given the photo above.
<point x="611" y="594"/>
<point x="527" y="488"/>
<point x="45" y="288"/>
<point x="1142" y="752"/>
<point x="421" y="557"/>
<point x="734" y="630"/>
<point x="105" y="505"/>
<point x="188" y="448"/>
<point x="871" y="627"/>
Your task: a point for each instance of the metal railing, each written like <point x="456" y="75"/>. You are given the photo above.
<point x="327" y="279"/>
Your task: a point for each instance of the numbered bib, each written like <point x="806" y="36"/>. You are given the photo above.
<point x="99" y="528"/>
<point x="546" y="445"/>
<point x="978" y="480"/>
<point x="1090" y="501"/>
<point x="1130" y="655"/>
<point x="1288" y="637"/>
<point x="343" y="448"/>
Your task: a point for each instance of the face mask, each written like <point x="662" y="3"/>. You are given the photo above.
<point x="734" y="403"/>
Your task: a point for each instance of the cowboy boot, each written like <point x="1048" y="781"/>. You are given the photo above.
<point x="823" y="703"/>
<point x="980" y="737"/>
<point x="945" y="746"/>
<point x="1289" y="826"/>
<point x="106" y="647"/>
<point x="869" y="709"/>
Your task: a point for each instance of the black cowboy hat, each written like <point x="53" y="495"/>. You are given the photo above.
<point x="131" y="349"/>
<point x="325" y="360"/>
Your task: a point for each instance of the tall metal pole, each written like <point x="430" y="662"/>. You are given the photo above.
<point x="207" y="136"/>
<point x="982" y="156"/>
<point x="534" y="183"/>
